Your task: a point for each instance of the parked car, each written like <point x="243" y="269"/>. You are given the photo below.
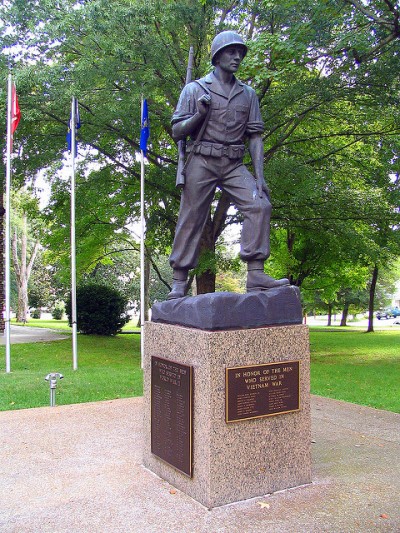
<point x="382" y="313"/>
<point x="388" y="313"/>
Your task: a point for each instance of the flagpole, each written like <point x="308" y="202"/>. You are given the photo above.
<point x="142" y="230"/>
<point x="7" y="233"/>
<point x="73" y="244"/>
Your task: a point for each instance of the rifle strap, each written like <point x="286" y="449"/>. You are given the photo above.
<point x="201" y="132"/>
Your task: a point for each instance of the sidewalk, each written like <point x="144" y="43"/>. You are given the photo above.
<point x="77" y="468"/>
<point x="22" y="334"/>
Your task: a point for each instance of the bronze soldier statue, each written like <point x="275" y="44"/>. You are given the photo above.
<point x="218" y="113"/>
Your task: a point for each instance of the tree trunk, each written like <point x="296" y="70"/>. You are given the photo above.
<point x="22" y="313"/>
<point x="205" y="282"/>
<point x="372" y="299"/>
<point x="23" y="269"/>
<point x="329" y="315"/>
<point x="345" y="314"/>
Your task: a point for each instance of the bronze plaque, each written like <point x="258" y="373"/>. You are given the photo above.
<point x="172" y="413"/>
<point x="262" y="390"/>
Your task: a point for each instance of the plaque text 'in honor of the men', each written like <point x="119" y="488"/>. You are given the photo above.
<point x="262" y="390"/>
<point x="171" y="413"/>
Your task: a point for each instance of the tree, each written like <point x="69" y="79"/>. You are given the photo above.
<point x="331" y="156"/>
<point x="24" y="249"/>
<point x="326" y="76"/>
<point x="101" y="310"/>
<point x="106" y="127"/>
<point x="120" y="268"/>
<point x="386" y="284"/>
<point x="42" y="287"/>
<point x="385" y="241"/>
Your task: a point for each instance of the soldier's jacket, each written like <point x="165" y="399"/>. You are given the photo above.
<point x="232" y="118"/>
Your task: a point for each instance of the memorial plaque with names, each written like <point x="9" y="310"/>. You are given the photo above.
<point x="172" y="413"/>
<point x="262" y="390"/>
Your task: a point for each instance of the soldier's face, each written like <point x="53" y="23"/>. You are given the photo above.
<point x="229" y="58"/>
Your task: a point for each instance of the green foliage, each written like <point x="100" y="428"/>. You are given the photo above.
<point x="108" y="55"/>
<point x="36" y="313"/>
<point x="41" y="291"/>
<point x="57" y="313"/>
<point x="228" y="282"/>
<point x="24" y="245"/>
<point x="160" y="280"/>
<point x="35" y="298"/>
<point x="101" y="310"/>
<point x="120" y="268"/>
<point x="231" y="276"/>
<point x="386" y="286"/>
<point x="327" y="77"/>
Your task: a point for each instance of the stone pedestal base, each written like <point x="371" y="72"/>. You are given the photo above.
<point x="239" y="460"/>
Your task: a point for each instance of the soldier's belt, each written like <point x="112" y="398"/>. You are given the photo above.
<point x="232" y="151"/>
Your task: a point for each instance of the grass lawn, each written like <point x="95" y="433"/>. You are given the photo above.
<point x="346" y="364"/>
<point x="358" y="367"/>
<point x="108" y="368"/>
<point x="41" y="323"/>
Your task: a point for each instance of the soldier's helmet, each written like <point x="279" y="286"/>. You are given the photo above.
<point x="224" y="39"/>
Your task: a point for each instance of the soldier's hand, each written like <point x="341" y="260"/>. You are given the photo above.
<point x="203" y="104"/>
<point x="266" y="190"/>
<point x="263" y="188"/>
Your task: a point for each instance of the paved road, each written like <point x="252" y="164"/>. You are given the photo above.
<point x="391" y="323"/>
<point x="77" y="469"/>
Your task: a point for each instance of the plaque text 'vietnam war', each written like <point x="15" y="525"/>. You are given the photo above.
<point x="262" y="390"/>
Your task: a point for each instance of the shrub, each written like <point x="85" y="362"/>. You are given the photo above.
<point x="100" y="310"/>
<point x="36" y="313"/>
<point x="57" y="313"/>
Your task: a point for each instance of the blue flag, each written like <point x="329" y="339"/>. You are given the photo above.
<point x="77" y="125"/>
<point x="145" y="130"/>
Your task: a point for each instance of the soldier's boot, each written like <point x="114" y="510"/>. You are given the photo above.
<point x="179" y="282"/>
<point x="257" y="280"/>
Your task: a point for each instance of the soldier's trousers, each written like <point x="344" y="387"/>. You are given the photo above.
<point x="203" y="176"/>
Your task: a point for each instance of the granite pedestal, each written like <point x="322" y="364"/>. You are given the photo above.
<point x="236" y="460"/>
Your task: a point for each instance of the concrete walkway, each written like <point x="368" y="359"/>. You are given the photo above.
<point x="77" y="468"/>
<point x="22" y="334"/>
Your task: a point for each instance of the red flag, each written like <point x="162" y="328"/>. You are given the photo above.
<point x="15" y="111"/>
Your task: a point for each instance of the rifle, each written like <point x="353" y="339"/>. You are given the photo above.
<point x="180" y="176"/>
